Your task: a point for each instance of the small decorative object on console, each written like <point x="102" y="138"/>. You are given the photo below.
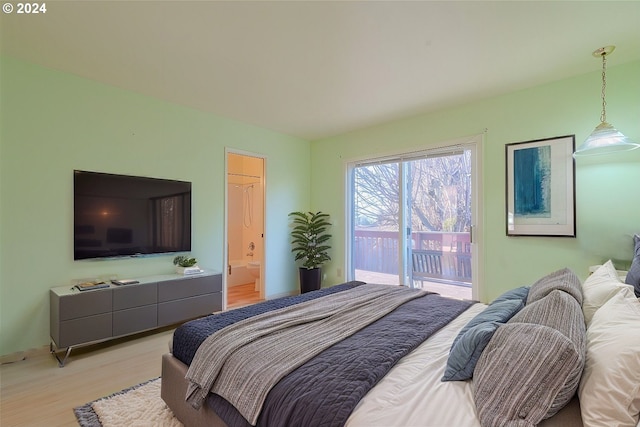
<point x="189" y="270"/>
<point x="186" y="265"/>
<point x="123" y="282"/>
<point x="85" y="286"/>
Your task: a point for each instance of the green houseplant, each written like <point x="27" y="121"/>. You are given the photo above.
<point x="309" y="239"/>
<point x="185" y="264"/>
<point x="184" y="261"/>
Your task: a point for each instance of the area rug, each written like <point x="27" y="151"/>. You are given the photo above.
<point x="139" y="406"/>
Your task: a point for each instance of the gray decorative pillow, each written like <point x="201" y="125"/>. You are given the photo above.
<point x="564" y="280"/>
<point x="520" y="372"/>
<point x="633" y="276"/>
<point x="560" y="311"/>
<point x="474" y="337"/>
<point x="532" y="366"/>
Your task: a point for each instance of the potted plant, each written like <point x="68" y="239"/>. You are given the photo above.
<point x="186" y="264"/>
<point x="309" y="239"/>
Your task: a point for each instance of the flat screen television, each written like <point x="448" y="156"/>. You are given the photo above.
<point x="124" y="216"/>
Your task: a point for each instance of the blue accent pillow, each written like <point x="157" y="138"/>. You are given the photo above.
<point x="520" y="293"/>
<point x="474" y="337"/>
<point x="467" y="351"/>
<point x="633" y="276"/>
<point x="497" y="314"/>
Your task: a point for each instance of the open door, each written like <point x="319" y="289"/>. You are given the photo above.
<point x="245" y="196"/>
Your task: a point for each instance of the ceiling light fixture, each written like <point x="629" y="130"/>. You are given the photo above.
<point x="605" y="138"/>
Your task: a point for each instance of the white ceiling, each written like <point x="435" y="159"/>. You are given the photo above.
<point x="319" y="68"/>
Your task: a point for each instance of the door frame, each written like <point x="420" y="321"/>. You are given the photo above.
<point x="473" y="143"/>
<point x="225" y="238"/>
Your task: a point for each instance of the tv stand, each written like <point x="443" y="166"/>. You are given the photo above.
<point x="80" y="318"/>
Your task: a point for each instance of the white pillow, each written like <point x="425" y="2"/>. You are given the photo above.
<point x="598" y="288"/>
<point x="610" y="386"/>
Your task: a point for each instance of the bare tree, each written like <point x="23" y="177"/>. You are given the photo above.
<point x="377" y="195"/>
<point x="439" y="192"/>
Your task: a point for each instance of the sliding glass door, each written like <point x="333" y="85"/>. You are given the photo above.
<point x="412" y="218"/>
<point x="377" y="222"/>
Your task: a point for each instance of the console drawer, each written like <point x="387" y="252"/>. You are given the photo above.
<point x="187" y="287"/>
<point x="84" y="330"/>
<point x="135" y="320"/>
<point x="188" y="308"/>
<point x="84" y="304"/>
<point x="131" y="296"/>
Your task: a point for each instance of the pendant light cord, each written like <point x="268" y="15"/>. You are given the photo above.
<point x="603" y="115"/>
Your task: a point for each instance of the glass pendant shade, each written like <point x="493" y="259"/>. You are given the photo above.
<point x="605" y="139"/>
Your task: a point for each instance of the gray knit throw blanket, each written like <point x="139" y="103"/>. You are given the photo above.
<point x="243" y="361"/>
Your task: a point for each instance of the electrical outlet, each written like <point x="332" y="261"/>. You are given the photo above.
<point x="339" y="272"/>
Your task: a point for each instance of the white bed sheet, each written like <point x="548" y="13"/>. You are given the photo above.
<point x="411" y="394"/>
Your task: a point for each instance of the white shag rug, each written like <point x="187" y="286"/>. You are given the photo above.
<point x="138" y="406"/>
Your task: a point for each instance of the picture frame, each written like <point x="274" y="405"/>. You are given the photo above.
<point x="540" y="187"/>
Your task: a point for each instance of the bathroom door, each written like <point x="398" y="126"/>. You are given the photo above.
<point x="244" y="226"/>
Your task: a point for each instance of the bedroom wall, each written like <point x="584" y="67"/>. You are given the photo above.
<point x="52" y="123"/>
<point x="607" y="204"/>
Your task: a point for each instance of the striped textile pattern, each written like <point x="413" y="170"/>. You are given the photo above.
<point x="520" y="373"/>
<point x="532" y="366"/>
<point x="564" y="280"/>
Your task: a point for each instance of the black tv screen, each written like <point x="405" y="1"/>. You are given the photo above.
<point x="120" y="215"/>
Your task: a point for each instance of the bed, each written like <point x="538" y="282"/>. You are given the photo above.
<point x="522" y="360"/>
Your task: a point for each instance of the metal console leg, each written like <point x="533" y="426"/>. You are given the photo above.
<point x="52" y="350"/>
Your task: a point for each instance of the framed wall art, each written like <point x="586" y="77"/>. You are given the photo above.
<point x="541" y="187"/>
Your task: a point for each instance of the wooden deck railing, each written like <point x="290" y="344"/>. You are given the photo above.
<point x="444" y="256"/>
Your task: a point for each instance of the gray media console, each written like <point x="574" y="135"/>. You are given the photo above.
<point x="84" y="317"/>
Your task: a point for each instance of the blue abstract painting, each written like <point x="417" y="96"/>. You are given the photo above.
<point x="532" y="182"/>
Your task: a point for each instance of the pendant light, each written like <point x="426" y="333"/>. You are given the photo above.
<point x="605" y="138"/>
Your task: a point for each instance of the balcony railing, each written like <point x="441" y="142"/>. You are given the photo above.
<point x="436" y="256"/>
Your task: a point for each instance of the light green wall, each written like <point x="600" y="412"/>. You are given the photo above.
<point x="607" y="189"/>
<point x="52" y="123"/>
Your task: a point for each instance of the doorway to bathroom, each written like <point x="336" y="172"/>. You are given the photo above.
<point x="245" y="197"/>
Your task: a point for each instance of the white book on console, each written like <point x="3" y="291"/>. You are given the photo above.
<point x="124" y="282"/>
<point x="192" y="270"/>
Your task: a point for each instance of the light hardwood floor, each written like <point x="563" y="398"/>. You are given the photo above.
<point x="240" y="295"/>
<point x="36" y="392"/>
